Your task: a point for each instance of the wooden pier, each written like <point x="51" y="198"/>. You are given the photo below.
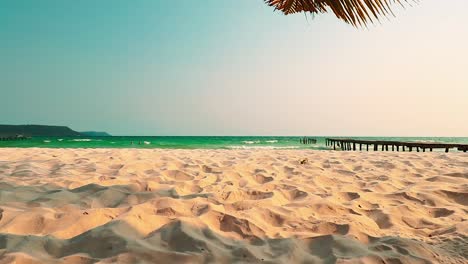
<point x="307" y="140"/>
<point x="376" y="145"/>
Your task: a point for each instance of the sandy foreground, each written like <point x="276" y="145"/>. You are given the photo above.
<point x="224" y="206"/>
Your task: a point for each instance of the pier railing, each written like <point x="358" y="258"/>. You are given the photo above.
<point x="376" y="145"/>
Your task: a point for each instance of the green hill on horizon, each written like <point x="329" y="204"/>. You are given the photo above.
<point x="37" y="130"/>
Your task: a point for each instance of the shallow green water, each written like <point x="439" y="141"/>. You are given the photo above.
<point x="247" y="142"/>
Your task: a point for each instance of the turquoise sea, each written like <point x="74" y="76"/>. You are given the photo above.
<point x="196" y="142"/>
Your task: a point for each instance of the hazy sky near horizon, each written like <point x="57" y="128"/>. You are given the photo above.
<point x="232" y="68"/>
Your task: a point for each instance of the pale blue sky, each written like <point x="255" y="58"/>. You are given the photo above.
<point x="225" y="67"/>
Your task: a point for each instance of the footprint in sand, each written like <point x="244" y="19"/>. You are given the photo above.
<point x="457" y="197"/>
<point x="457" y="175"/>
<point x="116" y="166"/>
<point x="273" y="218"/>
<point x="380" y="218"/>
<point x="419" y="223"/>
<point x="296" y="194"/>
<point x="263" y="179"/>
<point x="330" y="228"/>
<point x="178" y="175"/>
<point x="23" y="173"/>
<point x="167" y="211"/>
<point x="206" y="169"/>
<point x="290" y="171"/>
<point x="242" y="227"/>
<point x="200" y="209"/>
<point x="345" y="172"/>
<point x="349" y="196"/>
<point x="357" y="168"/>
<point x="440" y="212"/>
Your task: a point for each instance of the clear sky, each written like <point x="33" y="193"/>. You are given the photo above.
<point x="222" y="67"/>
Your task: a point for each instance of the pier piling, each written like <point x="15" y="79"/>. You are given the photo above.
<point x="351" y="144"/>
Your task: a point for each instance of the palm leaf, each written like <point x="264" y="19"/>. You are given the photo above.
<point x="354" y="12"/>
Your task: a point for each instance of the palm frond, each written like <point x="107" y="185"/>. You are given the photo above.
<point x="354" y="12"/>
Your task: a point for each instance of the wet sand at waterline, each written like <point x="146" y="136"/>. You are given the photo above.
<point x="224" y="206"/>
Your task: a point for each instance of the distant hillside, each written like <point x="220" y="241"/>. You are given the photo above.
<point x="37" y="130"/>
<point x="95" y="134"/>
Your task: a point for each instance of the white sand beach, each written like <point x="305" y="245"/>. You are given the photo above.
<point x="225" y="206"/>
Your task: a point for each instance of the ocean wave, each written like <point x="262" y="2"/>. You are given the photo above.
<point x="261" y="147"/>
<point x="60" y="139"/>
<point x="251" y="142"/>
<point x="146" y="142"/>
<point x="46" y="141"/>
<point x="271" y="141"/>
<point x="85" y="140"/>
<point x="424" y="141"/>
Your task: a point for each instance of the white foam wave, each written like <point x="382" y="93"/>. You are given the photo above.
<point x="262" y="147"/>
<point x="60" y="139"/>
<point x="81" y="139"/>
<point x="251" y="142"/>
<point x="425" y="141"/>
<point x="146" y="142"/>
<point x="46" y="141"/>
<point x="271" y="141"/>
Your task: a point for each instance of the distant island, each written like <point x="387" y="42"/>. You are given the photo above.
<point x="44" y="131"/>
